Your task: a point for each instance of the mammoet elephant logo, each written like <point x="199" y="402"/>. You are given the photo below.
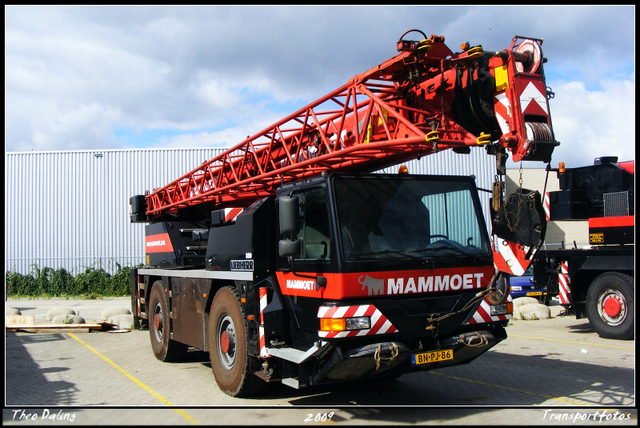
<point x="375" y="286"/>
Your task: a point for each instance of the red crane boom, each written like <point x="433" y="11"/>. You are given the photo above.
<point x="425" y="99"/>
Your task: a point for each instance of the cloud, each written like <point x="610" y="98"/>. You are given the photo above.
<point x="109" y="77"/>
<point x="591" y="124"/>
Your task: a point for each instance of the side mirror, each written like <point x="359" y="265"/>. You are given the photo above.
<point x="289" y="224"/>
<point x="288" y="248"/>
<point x="289" y="217"/>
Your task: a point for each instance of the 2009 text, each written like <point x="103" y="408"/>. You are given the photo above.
<point x="319" y="417"/>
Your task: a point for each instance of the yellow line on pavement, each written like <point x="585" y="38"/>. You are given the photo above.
<point x="510" y="389"/>
<point x="136" y="381"/>
<point x="569" y="341"/>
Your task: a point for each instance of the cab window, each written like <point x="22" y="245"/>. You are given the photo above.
<point x="314" y="225"/>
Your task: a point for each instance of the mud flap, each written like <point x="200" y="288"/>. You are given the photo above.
<point x="519" y="226"/>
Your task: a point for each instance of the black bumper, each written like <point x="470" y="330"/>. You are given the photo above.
<point x="392" y="358"/>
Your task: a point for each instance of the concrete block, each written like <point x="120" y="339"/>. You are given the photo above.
<point x="54" y="312"/>
<point x="109" y="312"/>
<point x="67" y="319"/>
<point x="123" y="321"/>
<point x="532" y="311"/>
<point x="521" y="301"/>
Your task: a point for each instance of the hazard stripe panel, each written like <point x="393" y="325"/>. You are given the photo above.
<point x="547" y="206"/>
<point x="563" y="282"/>
<point x="230" y="214"/>
<point x="482" y="314"/>
<point x="502" y="109"/>
<point x="509" y="257"/>
<point x="263" y="305"/>
<point x="379" y="323"/>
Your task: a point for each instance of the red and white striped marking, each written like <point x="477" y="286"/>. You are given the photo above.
<point x="502" y="109"/>
<point x="547" y="206"/>
<point x="509" y="257"/>
<point x="230" y="214"/>
<point x="263" y="304"/>
<point x="483" y="314"/>
<point x="379" y="323"/>
<point x="564" y="291"/>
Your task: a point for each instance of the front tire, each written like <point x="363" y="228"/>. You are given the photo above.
<point x="609" y="305"/>
<point x="164" y="348"/>
<point x="232" y="368"/>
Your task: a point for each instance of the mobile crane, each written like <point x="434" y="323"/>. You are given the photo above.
<point x="595" y="281"/>
<point x="288" y="260"/>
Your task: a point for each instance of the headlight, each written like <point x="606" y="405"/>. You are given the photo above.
<point x="359" y="323"/>
<point x="505" y="308"/>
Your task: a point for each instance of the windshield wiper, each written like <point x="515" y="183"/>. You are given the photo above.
<point x="397" y="252"/>
<point x="459" y="251"/>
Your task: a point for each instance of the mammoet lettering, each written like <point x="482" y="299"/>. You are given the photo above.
<point x="431" y="284"/>
<point x="300" y="284"/>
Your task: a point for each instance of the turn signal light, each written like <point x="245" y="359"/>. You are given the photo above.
<point x="343" y="324"/>
<point x="333" y="324"/>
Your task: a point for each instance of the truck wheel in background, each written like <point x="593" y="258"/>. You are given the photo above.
<point x="164" y="348"/>
<point x="232" y="368"/>
<point x="609" y="305"/>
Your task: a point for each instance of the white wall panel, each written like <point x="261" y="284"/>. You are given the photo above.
<point x="71" y="209"/>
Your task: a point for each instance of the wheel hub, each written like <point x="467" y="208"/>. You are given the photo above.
<point x="612" y="307"/>
<point x="224" y="342"/>
<point x="227" y="342"/>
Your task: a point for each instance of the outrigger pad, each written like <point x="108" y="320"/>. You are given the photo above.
<point x="521" y="219"/>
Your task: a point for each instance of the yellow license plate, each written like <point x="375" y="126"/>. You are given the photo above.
<point x="534" y="293"/>
<point x="432" y="357"/>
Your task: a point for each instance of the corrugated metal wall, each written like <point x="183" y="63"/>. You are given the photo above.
<point x="71" y="209"/>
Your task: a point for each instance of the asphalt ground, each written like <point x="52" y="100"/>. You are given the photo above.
<point x="556" y="371"/>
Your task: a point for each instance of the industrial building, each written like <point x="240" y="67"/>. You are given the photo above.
<point x="70" y="209"/>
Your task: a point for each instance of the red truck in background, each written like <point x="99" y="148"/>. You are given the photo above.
<point x="597" y="281"/>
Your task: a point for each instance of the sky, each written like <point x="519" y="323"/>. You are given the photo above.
<point x="126" y="77"/>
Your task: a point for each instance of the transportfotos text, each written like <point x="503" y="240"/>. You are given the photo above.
<point x="599" y="416"/>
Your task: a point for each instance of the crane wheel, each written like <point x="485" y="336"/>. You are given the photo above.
<point x="609" y="305"/>
<point x="164" y="348"/>
<point x="232" y="368"/>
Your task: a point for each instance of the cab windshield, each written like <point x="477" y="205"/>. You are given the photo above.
<point x="384" y="217"/>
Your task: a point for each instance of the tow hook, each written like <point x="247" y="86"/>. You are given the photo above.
<point x="477" y="340"/>
<point x="393" y="348"/>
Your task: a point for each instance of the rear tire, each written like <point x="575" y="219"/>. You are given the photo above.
<point x="164" y="348"/>
<point x="609" y="305"/>
<point x="232" y="368"/>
